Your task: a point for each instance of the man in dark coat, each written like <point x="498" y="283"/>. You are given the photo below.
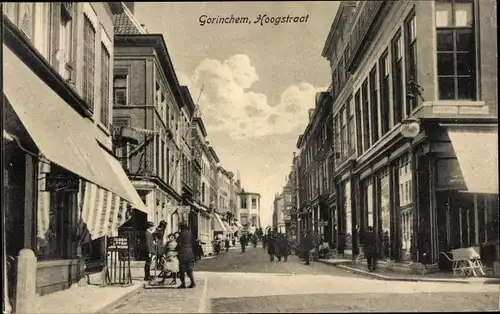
<point x="370" y="248"/>
<point x="307" y="246"/>
<point x="186" y="256"/>
<point x="243" y="242"/>
<point x="149" y="249"/>
<point x="271" y="246"/>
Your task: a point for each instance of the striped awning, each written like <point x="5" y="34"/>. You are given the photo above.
<point x="102" y="211"/>
<point x="219" y="226"/>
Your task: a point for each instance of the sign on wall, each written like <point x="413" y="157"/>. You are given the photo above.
<point x="61" y="182"/>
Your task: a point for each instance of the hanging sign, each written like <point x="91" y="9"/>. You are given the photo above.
<point x="55" y="183"/>
<point x="410" y="128"/>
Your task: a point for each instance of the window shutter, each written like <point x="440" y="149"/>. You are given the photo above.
<point x="54" y="35"/>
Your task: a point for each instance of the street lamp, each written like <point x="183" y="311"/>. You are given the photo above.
<point x="410" y="128"/>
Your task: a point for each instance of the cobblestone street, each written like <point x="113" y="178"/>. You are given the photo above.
<point x="249" y="282"/>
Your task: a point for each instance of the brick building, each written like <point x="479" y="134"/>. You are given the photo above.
<point x="316" y="190"/>
<point x="417" y="87"/>
<point x="149" y="99"/>
<point x="63" y="185"/>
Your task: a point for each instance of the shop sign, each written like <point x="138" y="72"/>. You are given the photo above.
<point x="61" y="182"/>
<point x="323" y="223"/>
<point x="118" y="244"/>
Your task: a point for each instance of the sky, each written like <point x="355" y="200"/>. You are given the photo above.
<point x="259" y="80"/>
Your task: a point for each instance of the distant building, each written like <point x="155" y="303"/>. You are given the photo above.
<point x="248" y="210"/>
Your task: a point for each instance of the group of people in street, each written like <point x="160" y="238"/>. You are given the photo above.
<point x="277" y="245"/>
<point x="173" y="258"/>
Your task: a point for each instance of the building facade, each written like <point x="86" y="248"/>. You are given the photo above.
<point x="316" y="188"/>
<point x="420" y="109"/>
<point x="154" y="109"/>
<point x="278" y="213"/>
<point x="248" y="210"/>
<point x="200" y="164"/>
<point x="61" y="175"/>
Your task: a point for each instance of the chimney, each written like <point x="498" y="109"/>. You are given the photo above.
<point x="144" y="27"/>
<point x="130" y="6"/>
<point x="238" y="175"/>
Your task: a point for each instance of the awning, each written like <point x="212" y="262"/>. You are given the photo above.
<point x="477" y="154"/>
<point x="220" y="224"/>
<point x="194" y="204"/>
<point x="227" y="226"/>
<point x="60" y="133"/>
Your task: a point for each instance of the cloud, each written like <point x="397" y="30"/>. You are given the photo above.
<point x="229" y="104"/>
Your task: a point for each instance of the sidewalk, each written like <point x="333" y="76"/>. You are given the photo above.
<point x="397" y="275"/>
<point x="86" y="299"/>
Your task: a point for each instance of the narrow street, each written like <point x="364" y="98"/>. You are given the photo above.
<point x="249" y="282"/>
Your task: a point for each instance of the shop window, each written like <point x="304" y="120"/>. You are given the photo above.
<point x="384" y="202"/>
<point x="348" y="215"/>
<point x="384" y="73"/>
<point x="397" y="78"/>
<point x="88" y="62"/>
<point x="59" y="218"/>
<point x="369" y="202"/>
<point x="456" y="64"/>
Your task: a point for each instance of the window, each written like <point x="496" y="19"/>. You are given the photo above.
<point x="157" y="154"/>
<point x="338" y="143"/>
<point x="413" y="97"/>
<point x="66" y="41"/>
<point x="335" y="81"/>
<point x="341" y="68"/>
<point x="104" y="86"/>
<point x="254" y="203"/>
<point x="88" y="62"/>
<point x="397" y="78"/>
<point x="167" y="166"/>
<point x="162" y="161"/>
<point x="244" y="202"/>
<point x="384" y="93"/>
<point x="22" y="14"/>
<point x="456" y="66"/>
<point x="359" y="132"/>
<point x="366" y="115"/>
<point x="120" y="90"/>
<point x="203" y="192"/>
<point x="374" y="104"/>
<point x="343" y="132"/>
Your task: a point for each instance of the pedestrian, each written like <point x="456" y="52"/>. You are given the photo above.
<point x="370" y="248"/>
<point x="271" y="247"/>
<point x="171" y="267"/>
<point x="234" y="238"/>
<point x="307" y="246"/>
<point x="149" y="249"/>
<point x="264" y="241"/>
<point x="285" y="247"/>
<point x="243" y="242"/>
<point x="226" y="243"/>
<point x="198" y="249"/>
<point x="186" y="256"/>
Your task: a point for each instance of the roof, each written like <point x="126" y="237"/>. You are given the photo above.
<point x="199" y="120"/>
<point x="188" y="100"/>
<point x="214" y="155"/>
<point x="125" y="22"/>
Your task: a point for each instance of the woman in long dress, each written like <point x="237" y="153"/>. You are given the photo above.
<point x="171" y="267"/>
